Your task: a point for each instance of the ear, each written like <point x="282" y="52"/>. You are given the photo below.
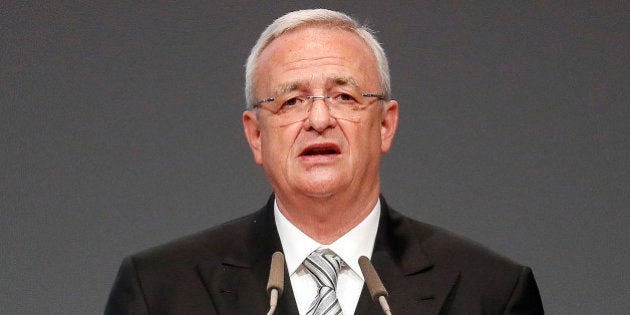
<point x="389" y="123"/>
<point x="252" y="133"/>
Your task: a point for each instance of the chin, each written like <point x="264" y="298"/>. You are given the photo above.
<point x="322" y="188"/>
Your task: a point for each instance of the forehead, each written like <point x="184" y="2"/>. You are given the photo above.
<point x="316" y="56"/>
<point x="329" y="82"/>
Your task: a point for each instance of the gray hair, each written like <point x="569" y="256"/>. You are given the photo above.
<point x="320" y="17"/>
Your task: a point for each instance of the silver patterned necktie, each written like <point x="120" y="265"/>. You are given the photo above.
<point x="324" y="268"/>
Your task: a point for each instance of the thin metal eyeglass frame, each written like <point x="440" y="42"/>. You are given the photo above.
<point x="258" y="104"/>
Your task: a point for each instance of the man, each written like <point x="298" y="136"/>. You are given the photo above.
<point x="319" y="117"/>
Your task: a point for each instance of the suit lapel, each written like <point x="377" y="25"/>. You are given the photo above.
<point x="414" y="283"/>
<point x="238" y="284"/>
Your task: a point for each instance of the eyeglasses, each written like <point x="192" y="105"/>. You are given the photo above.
<point x="290" y="109"/>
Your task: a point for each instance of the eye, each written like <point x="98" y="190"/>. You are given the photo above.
<point x="345" y="98"/>
<point x="290" y="102"/>
<point x="293" y="102"/>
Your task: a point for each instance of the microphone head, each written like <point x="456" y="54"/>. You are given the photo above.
<point x="374" y="284"/>
<point x="276" y="273"/>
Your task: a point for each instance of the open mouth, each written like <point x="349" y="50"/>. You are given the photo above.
<point x="321" y="149"/>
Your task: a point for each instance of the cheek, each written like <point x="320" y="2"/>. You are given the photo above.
<point x="276" y="146"/>
<point x="369" y="131"/>
<point x="367" y="141"/>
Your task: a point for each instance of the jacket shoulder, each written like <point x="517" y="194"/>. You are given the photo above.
<point x="208" y="245"/>
<point x="446" y="247"/>
<point x="486" y="279"/>
<point x="175" y="276"/>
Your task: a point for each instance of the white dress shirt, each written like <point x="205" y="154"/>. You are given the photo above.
<point x="356" y="243"/>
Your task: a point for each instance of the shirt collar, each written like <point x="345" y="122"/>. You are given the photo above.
<point x="359" y="241"/>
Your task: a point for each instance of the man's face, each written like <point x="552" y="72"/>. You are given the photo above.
<point x="321" y="155"/>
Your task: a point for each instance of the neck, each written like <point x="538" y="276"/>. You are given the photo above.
<point x="326" y="219"/>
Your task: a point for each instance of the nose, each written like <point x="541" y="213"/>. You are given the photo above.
<point x="319" y="117"/>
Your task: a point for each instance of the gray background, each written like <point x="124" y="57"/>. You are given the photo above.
<point x="120" y="130"/>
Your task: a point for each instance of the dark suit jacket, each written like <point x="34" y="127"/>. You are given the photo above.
<point x="224" y="270"/>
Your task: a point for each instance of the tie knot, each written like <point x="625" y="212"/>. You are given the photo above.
<point x="324" y="268"/>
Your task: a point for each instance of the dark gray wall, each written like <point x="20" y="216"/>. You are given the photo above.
<point x="120" y="130"/>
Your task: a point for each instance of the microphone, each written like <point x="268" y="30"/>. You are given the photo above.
<point x="275" y="285"/>
<point x="375" y="286"/>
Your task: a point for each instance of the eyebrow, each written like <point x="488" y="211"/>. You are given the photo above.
<point x="344" y="81"/>
<point x="331" y="81"/>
